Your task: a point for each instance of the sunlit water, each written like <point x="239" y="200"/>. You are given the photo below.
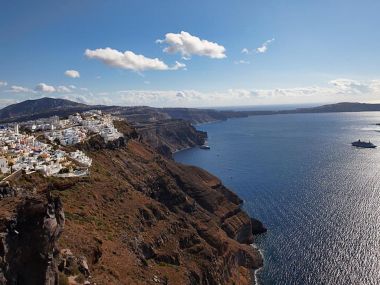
<point x="318" y="196"/>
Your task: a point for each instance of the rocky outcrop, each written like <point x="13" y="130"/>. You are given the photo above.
<point x="257" y="227"/>
<point x="72" y="267"/>
<point x="6" y="190"/>
<point x="97" y="143"/>
<point x="27" y="241"/>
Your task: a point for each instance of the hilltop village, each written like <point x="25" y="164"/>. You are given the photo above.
<point x="41" y="145"/>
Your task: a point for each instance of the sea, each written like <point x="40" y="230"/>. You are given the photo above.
<point x="318" y="196"/>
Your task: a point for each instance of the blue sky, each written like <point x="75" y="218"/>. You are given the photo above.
<point x="298" y="51"/>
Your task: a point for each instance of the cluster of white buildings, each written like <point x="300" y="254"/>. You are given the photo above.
<point x="78" y="127"/>
<point x="68" y="136"/>
<point x="43" y="124"/>
<point x="20" y="151"/>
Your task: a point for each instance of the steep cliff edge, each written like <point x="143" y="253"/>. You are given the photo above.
<point x="29" y="229"/>
<point x="169" y="136"/>
<point x="140" y="218"/>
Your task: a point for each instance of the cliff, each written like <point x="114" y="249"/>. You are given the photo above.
<point x="140" y="218"/>
<point x="29" y="229"/>
<point x="169" y="136"/>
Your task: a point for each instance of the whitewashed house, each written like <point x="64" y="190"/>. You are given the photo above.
<point x="4" y="168"/>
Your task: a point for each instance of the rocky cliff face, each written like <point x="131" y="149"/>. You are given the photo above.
<point x="140" y="218"/>
<point x="169" y="136"/>
<point x="29" y="229"/>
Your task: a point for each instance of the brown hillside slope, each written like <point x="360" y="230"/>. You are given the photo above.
<point x="141" y="218"/>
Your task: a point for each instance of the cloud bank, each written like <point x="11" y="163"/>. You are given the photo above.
<point x="334" y="91"/>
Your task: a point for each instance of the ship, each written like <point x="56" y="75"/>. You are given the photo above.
<point x="363" y="144"/>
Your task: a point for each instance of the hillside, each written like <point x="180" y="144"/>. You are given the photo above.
<point x="39" y="108"/>
<point x="140" y="218"/>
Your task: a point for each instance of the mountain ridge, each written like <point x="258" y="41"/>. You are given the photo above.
<point x="45" y="107"/>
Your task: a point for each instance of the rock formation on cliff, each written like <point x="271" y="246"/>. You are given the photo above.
<point x="29" y="229"/>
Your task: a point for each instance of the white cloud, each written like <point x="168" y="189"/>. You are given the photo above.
<point x="188" y="45"/>
<point x="264" y="47"/>
<point x="375" y="86"/>
<point x="179" y="65"/>
<point x="245" y="50"/>
<point x="3" y="83"/>
<point x="63" y="89"/>
<point x="194" y="98"/>
<point x="129" y="60"/>
<point x="332" y="92"/>
<point x="42" y="87"/>
<point x="349" y="86"/>
<point x="241" y="61"/>
<point x="19" y="89"/>
<point x="71" y="92"/>
<point x="72" y="73"/>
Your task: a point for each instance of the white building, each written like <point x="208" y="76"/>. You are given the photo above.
<point x="4" y="168"/>
<point x="110" y="133"/>
<point x="81" y="157"/>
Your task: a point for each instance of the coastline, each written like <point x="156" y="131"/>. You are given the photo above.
<point x="182" y="149"/>
<point x="210" y="122"/>
<point x="255" y="278"/>
<point x="255" y="272"/>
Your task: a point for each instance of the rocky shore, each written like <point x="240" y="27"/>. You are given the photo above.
<point x="140" y="218"/>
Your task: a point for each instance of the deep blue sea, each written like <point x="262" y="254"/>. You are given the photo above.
<point x="318" y="196"/>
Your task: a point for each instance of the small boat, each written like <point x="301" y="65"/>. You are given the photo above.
<point x="362" y="144"/>
<point x="204" y="147"/>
